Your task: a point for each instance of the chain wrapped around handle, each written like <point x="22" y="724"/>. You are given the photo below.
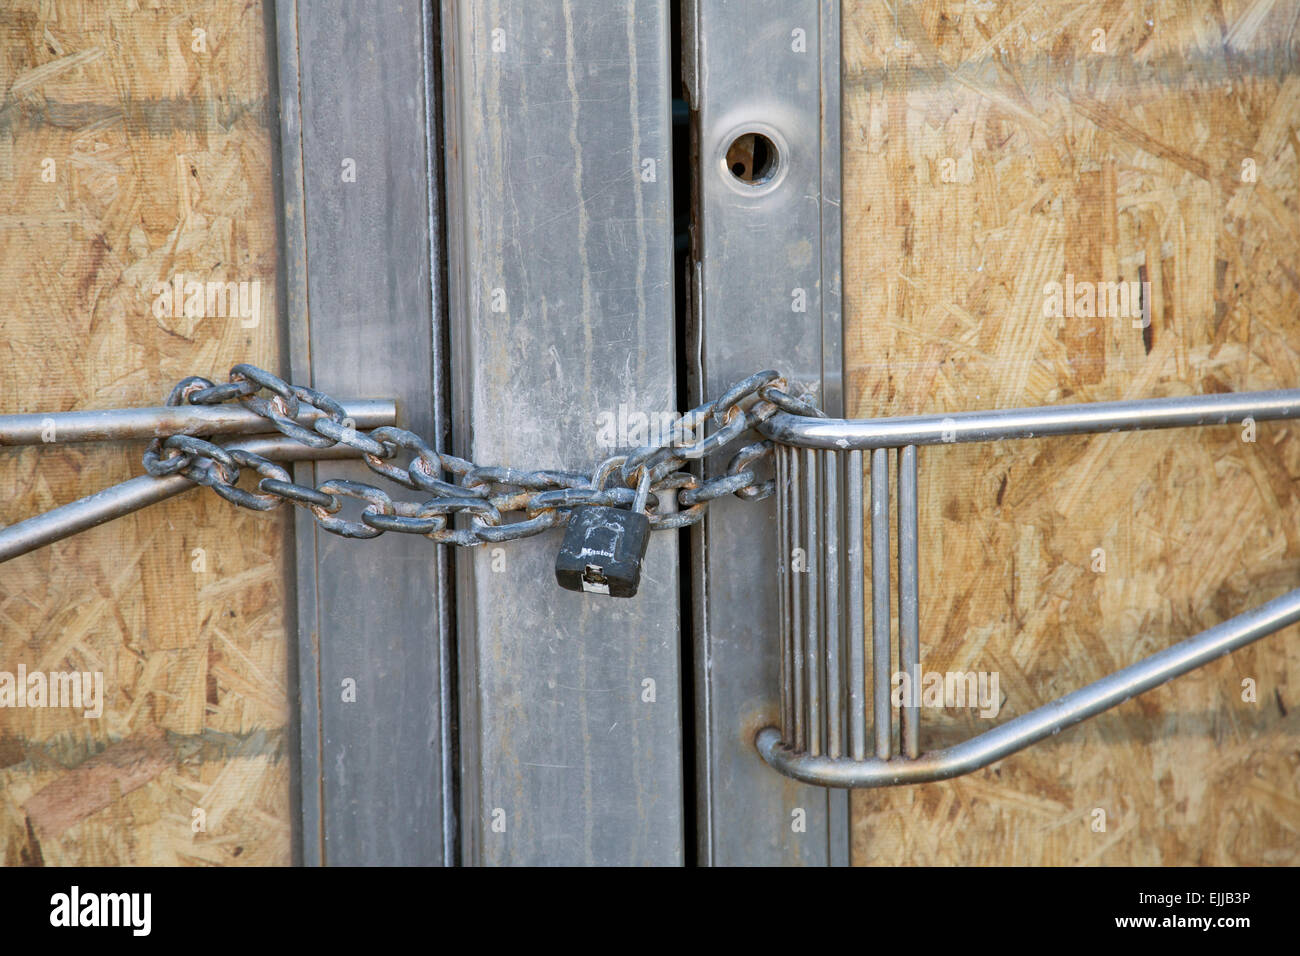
<point x="503" y="504"/>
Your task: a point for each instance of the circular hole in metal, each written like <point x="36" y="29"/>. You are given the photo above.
<point x="752" y="158"/>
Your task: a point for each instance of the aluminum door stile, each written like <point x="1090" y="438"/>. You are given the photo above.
<point x="559" y="204"/>
<point x="361" y="229"/>
<point x="766" y="294"/>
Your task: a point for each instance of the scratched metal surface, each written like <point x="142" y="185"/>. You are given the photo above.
<point x="552" y="109"/>
<point x="754" y="246"/>
<point x="361" y="300"/>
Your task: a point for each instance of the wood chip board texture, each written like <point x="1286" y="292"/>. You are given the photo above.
<point x="136" y="145"/>
<point x="991" y="149"/>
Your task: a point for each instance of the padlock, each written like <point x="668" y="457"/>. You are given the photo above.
<point x="603" y="547"/>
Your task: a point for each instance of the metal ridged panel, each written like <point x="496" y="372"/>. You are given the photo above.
<point x="754" y="246"/>
<point x="562" y="288"/>
<point x="363" y="296"/>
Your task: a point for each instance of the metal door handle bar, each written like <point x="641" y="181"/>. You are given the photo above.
<point x="822" y="738"/>
<point x="120" y="424"/>
<point x="144" y="490"/>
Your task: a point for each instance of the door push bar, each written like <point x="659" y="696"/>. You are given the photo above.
<point x="122" y="424"/>
<point x="822" y="738"/>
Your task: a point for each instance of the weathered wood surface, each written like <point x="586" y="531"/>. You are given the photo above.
<point x="989" y="150"/>
<point x="160" y="140"/>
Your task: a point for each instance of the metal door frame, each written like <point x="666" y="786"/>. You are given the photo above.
<point x="551" y="115"/>
<point x="361" y="194"/>
<point x="766" y="293"/>
<point x="559" y="201"/>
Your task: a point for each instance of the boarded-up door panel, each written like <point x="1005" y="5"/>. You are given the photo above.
<point x="991" y="151"/>
<point x="136" y="146"/>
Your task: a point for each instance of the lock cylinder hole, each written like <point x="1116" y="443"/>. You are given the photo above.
<point x="752" y="159"/>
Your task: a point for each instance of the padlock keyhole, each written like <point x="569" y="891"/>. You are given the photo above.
<point x="595" y="574"/>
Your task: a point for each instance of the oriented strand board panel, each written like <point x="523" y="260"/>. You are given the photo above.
<point x="991" y="150"/>
<point x="136" y="141"/>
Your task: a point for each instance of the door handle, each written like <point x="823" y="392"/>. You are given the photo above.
<point x="822" y="736"/>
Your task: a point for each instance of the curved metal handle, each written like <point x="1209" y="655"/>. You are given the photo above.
<point x="823" y="734"/>
<point x="1041" y="723"/>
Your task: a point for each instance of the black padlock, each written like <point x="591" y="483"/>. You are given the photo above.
<point x="604" y="547"/>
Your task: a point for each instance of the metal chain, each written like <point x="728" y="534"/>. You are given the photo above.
<point x="489" y="494"/>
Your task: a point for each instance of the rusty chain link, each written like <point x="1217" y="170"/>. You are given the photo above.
<point x="488" y="494"/>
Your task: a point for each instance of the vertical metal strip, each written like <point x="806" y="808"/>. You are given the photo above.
<point x="909" y="632"/>
<point x="439" y="395"/>
<point x="832" y="242"/>
<point x="381" y="791"/>
<point x="831" y="602"/>
<point x="781" y="223"/>
<point x="839" y="836"/>
<point x="307" y="789"/>
<point x="559" y="154"/>
<point x="880" y="631"/>
<point x="798" y="549"/>
<point x="783" y="586"/>
<point x="455" y="81"/>
<point x="855" y="607"/>
<point x="813" y="560"/>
